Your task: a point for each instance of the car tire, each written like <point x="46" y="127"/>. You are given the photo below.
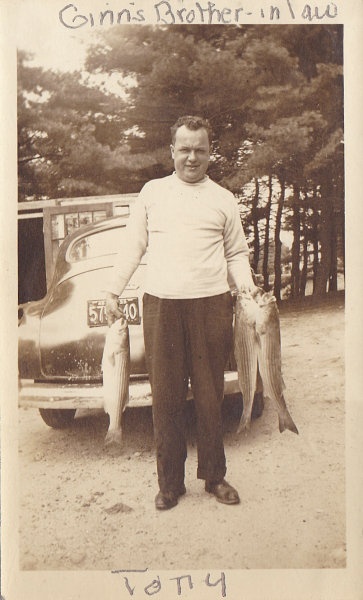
<point x="58" y="418"/>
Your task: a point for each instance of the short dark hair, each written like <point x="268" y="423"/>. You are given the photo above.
<point x="191" y="122"/>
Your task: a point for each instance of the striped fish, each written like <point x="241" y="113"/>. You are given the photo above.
<point x="246" y="353"/>
<point x="258" y="355"/>
<point x="116" y="374"/>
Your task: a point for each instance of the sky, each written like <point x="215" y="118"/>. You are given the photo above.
<point x="53" y="46"/>
<point x="38" y="30"/>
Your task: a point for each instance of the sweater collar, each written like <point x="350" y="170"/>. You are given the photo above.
<point x="204" y="180"/>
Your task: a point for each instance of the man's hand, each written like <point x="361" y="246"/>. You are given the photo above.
<point x="249" y="287"/>
<point x="112" y="310"/>
<point x="245" y="280"/>
<point x="248" y="284"/>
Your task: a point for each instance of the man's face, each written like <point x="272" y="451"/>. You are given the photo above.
<point x="191" y="154"/>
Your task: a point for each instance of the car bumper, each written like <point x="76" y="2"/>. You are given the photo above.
<point x="54" y="395"/>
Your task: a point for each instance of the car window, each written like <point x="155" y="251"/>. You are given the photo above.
<point x="95" y="244"/>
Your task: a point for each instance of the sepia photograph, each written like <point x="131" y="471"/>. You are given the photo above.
<point x="181" y="182"/>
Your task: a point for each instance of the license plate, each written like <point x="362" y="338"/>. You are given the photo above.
<point x="96" y="311"/>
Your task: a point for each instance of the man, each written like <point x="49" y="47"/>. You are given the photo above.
<point x="196" y="245"/>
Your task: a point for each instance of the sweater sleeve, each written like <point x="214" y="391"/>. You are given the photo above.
<point x="132" y="248"/>
<point x="237" y="251"/>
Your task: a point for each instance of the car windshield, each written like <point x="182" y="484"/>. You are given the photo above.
<point x="100" y="243"/>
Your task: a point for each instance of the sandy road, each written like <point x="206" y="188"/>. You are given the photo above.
<point x="81" y="508"/>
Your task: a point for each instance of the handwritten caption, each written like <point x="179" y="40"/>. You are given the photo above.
<point x="207" y="13"/>
<point x="182" y="583"/>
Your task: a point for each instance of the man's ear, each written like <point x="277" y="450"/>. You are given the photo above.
<point x="172" y="150"/>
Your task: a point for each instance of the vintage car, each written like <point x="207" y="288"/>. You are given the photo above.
<point x="61" y="337"/>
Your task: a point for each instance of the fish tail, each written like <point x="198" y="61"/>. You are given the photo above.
<point x="113" y="438"/>
<point x="244" y="424"/>
<point x="286" y="422"/>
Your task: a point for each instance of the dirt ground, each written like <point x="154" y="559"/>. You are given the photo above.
<point x="81" y="508"/>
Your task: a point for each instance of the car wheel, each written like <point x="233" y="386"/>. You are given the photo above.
<point x="58" y="418"/>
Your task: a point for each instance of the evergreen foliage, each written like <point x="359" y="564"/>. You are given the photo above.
<point x="274" y="97"/>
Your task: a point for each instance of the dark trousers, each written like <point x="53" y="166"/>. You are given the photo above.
<point x="185" y="339"/>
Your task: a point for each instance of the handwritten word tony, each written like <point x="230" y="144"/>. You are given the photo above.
<point x="166" y="13"/>
<point x="182" y="583"/>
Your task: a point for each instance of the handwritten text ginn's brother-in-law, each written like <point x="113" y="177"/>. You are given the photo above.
<point x="166" y="13"/>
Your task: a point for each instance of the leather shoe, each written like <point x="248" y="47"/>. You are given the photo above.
<point x="224" y="492"/>
<point x="166" y="500"/>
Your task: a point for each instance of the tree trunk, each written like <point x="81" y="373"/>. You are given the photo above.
<point x="333" y="276"/>
<point x="343" y="244"/>
<point x="295" y="270"/>
<point x="256" y="234"/>
<point x="315" y="237"/>
<point x="305" y="241"/>
<point x="341" y="221"/>
<point x="277" y="261"/>
<point x="326" y="239"/>
<point x="266" y="249"/>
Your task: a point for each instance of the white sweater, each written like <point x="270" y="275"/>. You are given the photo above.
<point x="193" y="236"/>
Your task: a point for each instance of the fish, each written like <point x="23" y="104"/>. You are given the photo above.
<point x="116" y="376"/>
<point x="257" y="346"/>
<point x="246" y="354"/>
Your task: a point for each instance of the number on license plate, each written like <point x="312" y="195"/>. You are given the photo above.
<point x="96" y="311"/>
